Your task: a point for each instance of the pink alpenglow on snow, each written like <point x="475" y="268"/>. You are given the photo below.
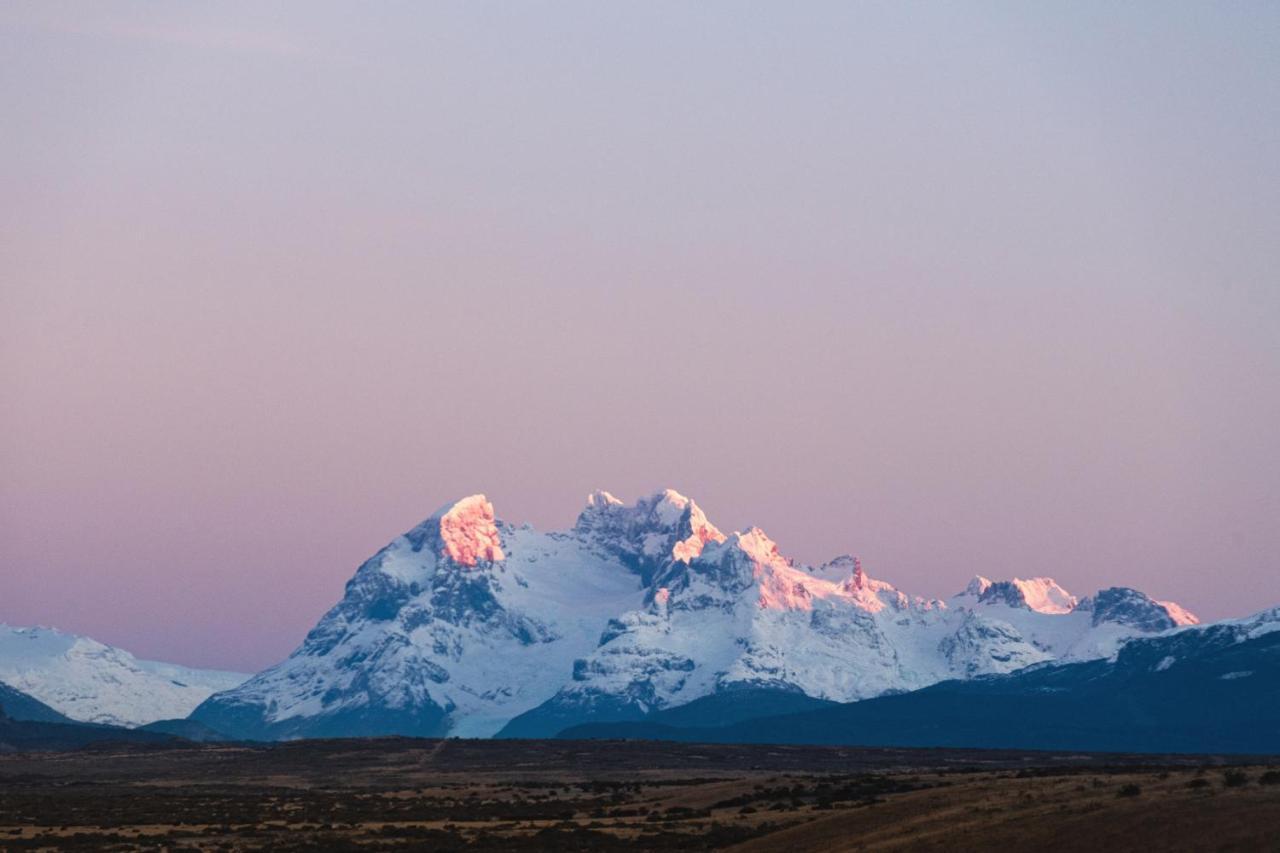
<point x="663" y="511"/>
<point x="784" y="586"/>
<point x="703" y="531"/>
<point x="1044" y="595"/>
<point x="781" y="586"/>
<point x="467" y="532"/>
<point x="1179" y="614"/>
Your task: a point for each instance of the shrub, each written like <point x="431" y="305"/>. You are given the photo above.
<point x="1235" y="778"/>
<point x="1130" y="790"/>
<point x="1271" y="777"/>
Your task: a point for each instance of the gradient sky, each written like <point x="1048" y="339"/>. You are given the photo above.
<point x="962" y="288"/>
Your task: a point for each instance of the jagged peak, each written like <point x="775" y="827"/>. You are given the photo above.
<point x="838" y="569"/>
<point x="745" y="554"/>
<point x="977" y="586"/>
<point x="1179" y="614"/>
<point x="661" y="526"/>
<point x="757" y="545"/>
<point x="467" y="531"/>
<point x="668" y="504"/>
<point x="847" y="571"/>
<point x="1041" y="594"/>
<point x="754" y="563"/>
<point x="1127" y="606"/>
<point x="782" y="585"/>
<point x="600" y="499"/>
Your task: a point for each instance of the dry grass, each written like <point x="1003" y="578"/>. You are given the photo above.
<point x="412" y="795"/>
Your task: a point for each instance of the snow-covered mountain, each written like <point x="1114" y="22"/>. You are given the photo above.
<point x="96" y="683"/>
<point x="1205" y="689"/>
<point x="469" y="626"/>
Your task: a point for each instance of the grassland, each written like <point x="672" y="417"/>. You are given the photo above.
<point x="402" y="794"/>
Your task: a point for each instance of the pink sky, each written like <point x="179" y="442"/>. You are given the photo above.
<point x="987" y="290"/>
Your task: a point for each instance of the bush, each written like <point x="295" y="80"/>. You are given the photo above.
<point x="1130" y="790"/>
<point x="1198" y="783"/>
<point x="1271" y="777"/>
<point x="1235" y="778"/>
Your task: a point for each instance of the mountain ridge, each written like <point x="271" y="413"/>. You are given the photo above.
<point x="469" y="626"/>
<point x="1213" y="688"/>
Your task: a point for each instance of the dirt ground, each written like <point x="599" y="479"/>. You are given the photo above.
<point x="404" y="794"/>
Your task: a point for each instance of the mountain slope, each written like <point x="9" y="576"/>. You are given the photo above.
<point x="92" y="682"/>
<point x="186" y="729"/>
<point x="469" y="626"/>
<point x="1210" y="689"/>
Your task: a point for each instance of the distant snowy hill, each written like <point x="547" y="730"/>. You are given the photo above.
<point x="469" y="626"/>
<point x="1212" y="688"/>
<point x="96" y="683"/>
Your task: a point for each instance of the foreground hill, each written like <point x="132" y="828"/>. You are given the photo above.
<point x="1209" y="689"/>
<point x="35" y="735"/>
<point x="17" y="705"/>
<point x="469" y="626"/>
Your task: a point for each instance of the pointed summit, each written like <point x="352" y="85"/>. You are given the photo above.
<point x="1179" y="614"/>
<point x="468" y="534"/>
<point x="1125" y="606"/>
<point x="757" y="545"/>
<point x="661" y="527"/>
<point x="601" y="499"/>
<point x="1043" y="595"/>
<point x="977" y="586"/>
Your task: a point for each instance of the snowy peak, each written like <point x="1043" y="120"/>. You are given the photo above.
<point x="779" y="586"/>
<point x="92" y="682"/>
<point x="1124" y="606"/>
<point x="659" y="528"/>
<point x="1180" y="615"/>
<point x="1116" y="605"/>
<point x="977" y="587"/>
<point x="1042" y="595"/>
<point x="843" y="568"/>
<point x="750" y="560"/>
<point x="727" y="566"/>
<point x="601" y="500"/>
<point x="759" y="548"/>
<point x="852" y="580"/>
<point x="467" y="532"/>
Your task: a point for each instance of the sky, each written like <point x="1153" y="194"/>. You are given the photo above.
<point x="960" y="288"/>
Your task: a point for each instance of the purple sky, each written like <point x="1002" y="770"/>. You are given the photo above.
<point x="991" y="288"/>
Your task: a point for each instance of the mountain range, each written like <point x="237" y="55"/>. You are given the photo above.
<point x="646" y="620"/>
<point x="469" y="626"/>
<point x="1212" y="689"/>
